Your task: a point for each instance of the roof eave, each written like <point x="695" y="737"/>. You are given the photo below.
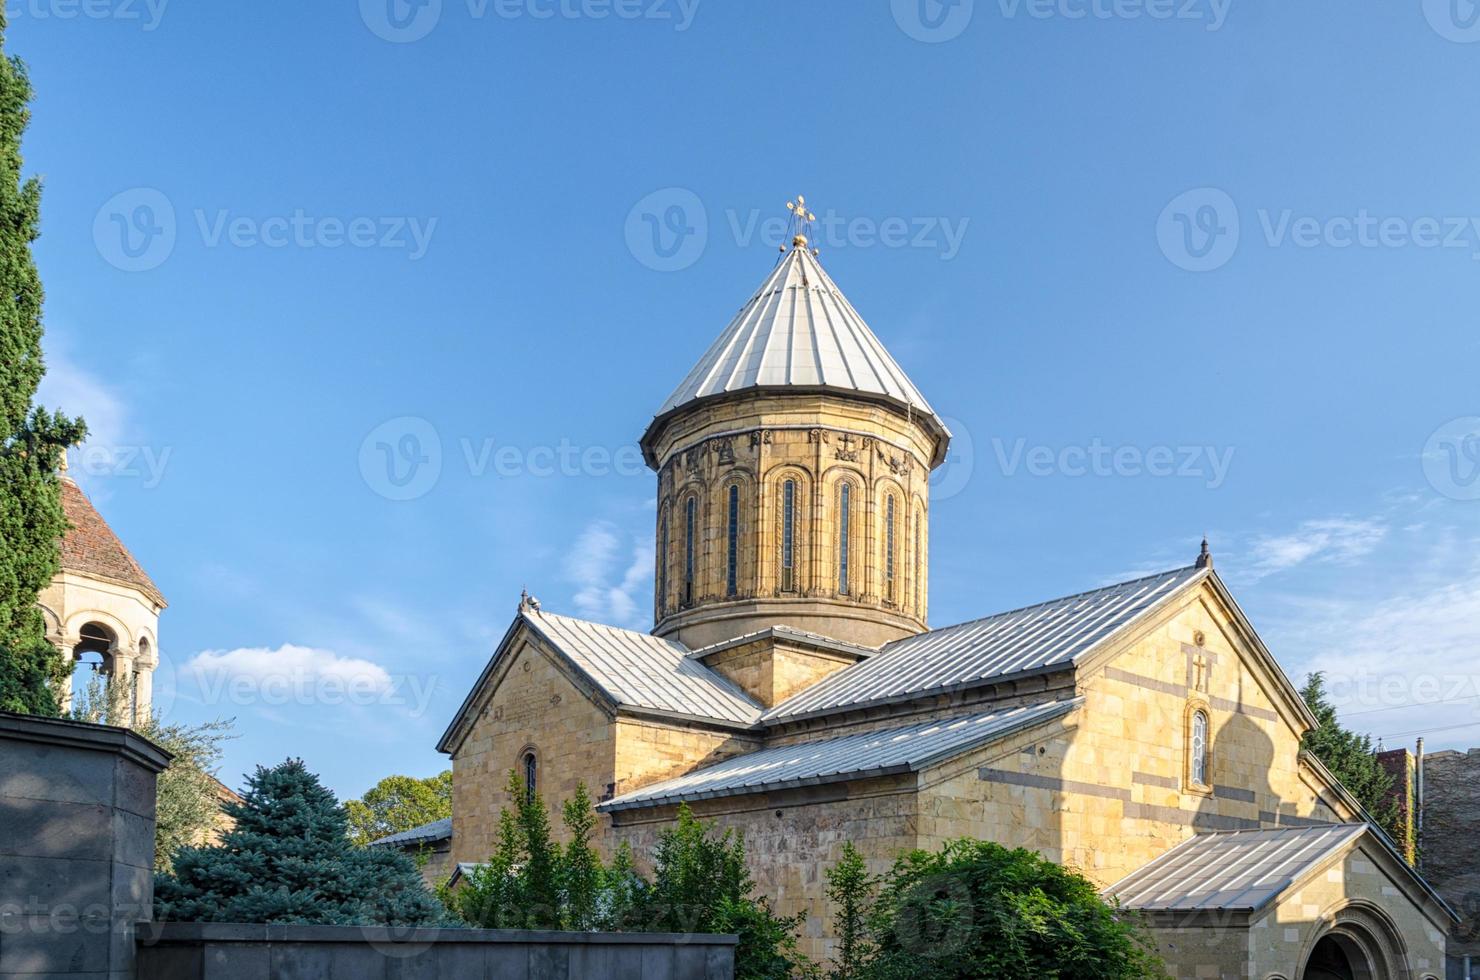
<point x="926" y="418"/>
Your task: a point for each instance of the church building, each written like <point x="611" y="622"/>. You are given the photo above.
<point x="793" y="689"/>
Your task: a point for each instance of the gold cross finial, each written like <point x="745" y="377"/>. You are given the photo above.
<point x="801" y="222"/>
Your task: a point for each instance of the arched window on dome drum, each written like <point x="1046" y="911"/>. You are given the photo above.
<point x="917" y="564"/>
<point x="1198" y="749"/>
<point x="732" y="543"/>
<point x="663" y="563"/>
<point x="889" y="547"/>
<point x="689" y="514"/>
<point x="531" y="771"/>
<point x="845" y="494"/>
<point x="788" y="535"/>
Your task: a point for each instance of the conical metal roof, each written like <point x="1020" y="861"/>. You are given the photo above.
<point x="799" y="331"/>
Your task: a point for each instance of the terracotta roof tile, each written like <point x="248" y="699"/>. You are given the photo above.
<point x="91" y="548"/>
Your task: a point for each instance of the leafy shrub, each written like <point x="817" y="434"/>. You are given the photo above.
<point x="977" y="909"/>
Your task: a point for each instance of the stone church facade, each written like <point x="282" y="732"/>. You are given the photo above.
<point x="791" y="688"/>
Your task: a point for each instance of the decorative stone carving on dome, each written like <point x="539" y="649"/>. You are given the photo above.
<point x="898" y="465"/>
<point x="760" y="437"/>
<point x="817" y="435"/>
<point x="725" y="450"/>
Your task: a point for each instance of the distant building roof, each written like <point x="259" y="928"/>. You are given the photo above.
<point x="1049" y="635"/>
<point x="848" y="757"/>
<point x="427" y="833"/>
<point x="798" y="331"/>
<point x="90" y="547"/>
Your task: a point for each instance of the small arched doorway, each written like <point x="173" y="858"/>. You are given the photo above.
<point x="1338" y="957"/>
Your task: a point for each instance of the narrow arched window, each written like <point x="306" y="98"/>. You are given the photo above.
<point x="663" y="562"/>
<point x="531" y="776"/>
<point x="690" y="515"/>
<point x="845" y="495"/>
<point x="788" y="535"/>
<point x="732" y="543"/>
<point x="1198" y="749"/>
<point x="917" y="564"/>
<point x="889" y="547"/>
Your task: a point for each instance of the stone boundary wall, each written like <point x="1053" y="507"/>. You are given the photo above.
<point x="76" y="847"/>
<point x="225" y="951"/>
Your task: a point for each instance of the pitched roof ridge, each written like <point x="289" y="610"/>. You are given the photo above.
<point x="1045" y="602"/>
<point x="91" y="547"/>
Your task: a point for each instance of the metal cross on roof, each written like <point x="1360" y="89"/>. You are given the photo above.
<point x="801" y="222"/>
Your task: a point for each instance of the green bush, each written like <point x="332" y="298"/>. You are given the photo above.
<point x="699" y="884"/>
<point x="289" y="859"/>
<point x="977" y="909"/>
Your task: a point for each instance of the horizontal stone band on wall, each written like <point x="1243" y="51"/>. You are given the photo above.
<point x="228" y="951"/>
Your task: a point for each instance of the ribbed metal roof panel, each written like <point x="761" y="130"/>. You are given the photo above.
<point x="847" y="757"/>
<point x="1241" y="871"/>
<point x="797" y="330"/>
<point x="1053" y="633"/>
<point x="436" y="830"/>
<point x="645" y="671"/>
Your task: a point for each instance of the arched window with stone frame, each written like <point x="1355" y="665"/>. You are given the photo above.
<point x="732" y="539"/>
<point x="665" y="516"/>
<point x="788" y="522"/>
<point x="848" y="535"/>
<point x="1199" y="748"/>
<point x="529" y="773"/>
<point x="689" y="534"/>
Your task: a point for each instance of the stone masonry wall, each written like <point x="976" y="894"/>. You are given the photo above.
<point x="536" y="707"/>
<point x="1451" y="860"/>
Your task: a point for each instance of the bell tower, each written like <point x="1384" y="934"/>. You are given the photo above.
<point x="793" y="471"/>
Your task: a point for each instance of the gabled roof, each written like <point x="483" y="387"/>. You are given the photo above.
<point x="845" y="758"/>
<point x="1247" y="871"/>
<point x="798" y="331"/>
<point x="631" y="670"/>
<point x="90" y="547"/>
<point x="1240" y="871"/>
<point x="639" y="670"/>
<point x="427" y="833"/>
<point x="1051" y="635"/>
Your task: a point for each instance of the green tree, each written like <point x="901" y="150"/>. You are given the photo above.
<point x="32" y="439"/>
<point x="399" y="803"/>
<point x="188" y="806"/>
<point x="851" y="890"/>
<point x="1351" y="757"/>
<point x="977" y="909"/>
<point x="289" y="859"/>
<point x="580" y="866"/>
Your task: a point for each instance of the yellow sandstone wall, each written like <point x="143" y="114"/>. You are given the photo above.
<point x="535" y="706"/>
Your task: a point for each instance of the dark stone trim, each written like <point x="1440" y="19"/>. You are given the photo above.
<point x="1151" y="779"/>
<point x="1182" y="691"/>
<point x="80" y="735"/>
<point x="1052" y="783"/>
<point x="1235" y="793"/>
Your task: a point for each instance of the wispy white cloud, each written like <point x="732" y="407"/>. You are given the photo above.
<point x="290" y="667"/>
<point x="610" y="570"/>
<point x="1340" y="539"/>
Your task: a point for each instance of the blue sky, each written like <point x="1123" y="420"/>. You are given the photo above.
<point x="1167" y="267"/>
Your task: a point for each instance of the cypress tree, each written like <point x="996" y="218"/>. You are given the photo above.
<point x="31" y="438"/>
